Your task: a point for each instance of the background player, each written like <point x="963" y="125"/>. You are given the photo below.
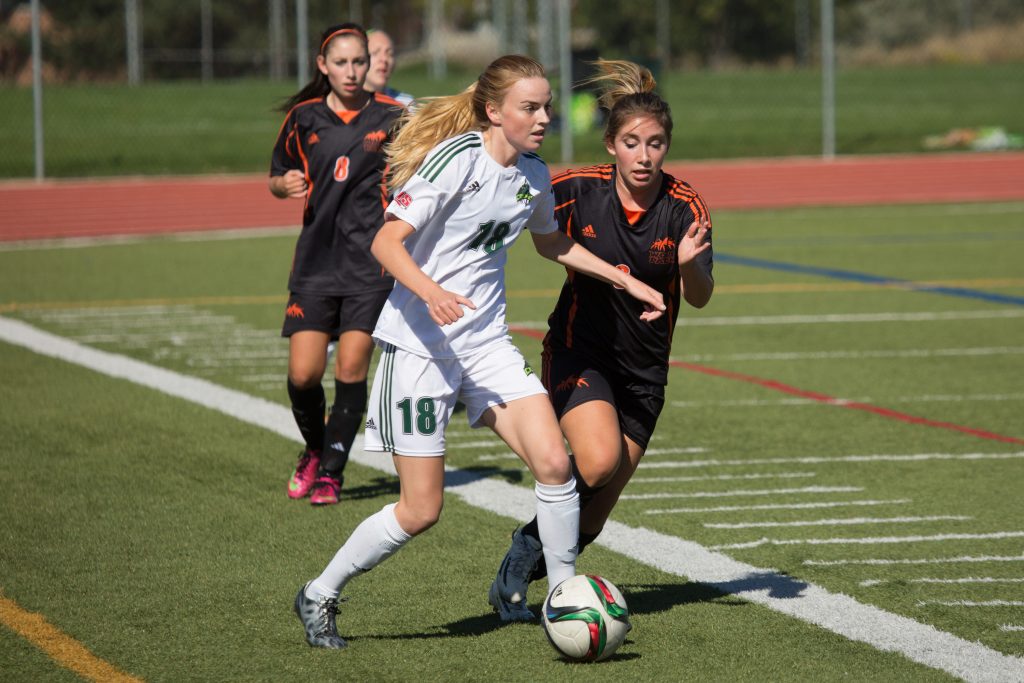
<point x="459" y="206"/>
<point x="330" y="153"/>
<point x="604" y="369"/>
<point x="382" y="65"/>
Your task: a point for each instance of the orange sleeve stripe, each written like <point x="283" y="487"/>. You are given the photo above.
<point x="600" y="171"/>
<point x="384" y="99"/>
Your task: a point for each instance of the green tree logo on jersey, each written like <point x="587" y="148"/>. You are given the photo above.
<point x="523" y="195"/>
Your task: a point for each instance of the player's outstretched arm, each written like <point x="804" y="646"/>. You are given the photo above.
<point x="562" y="249"/>
<point x="389" y="249"/>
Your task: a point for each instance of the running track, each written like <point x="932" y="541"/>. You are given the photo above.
<point x="132" y="206"/>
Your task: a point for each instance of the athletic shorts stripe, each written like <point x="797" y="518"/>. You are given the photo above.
<point x="386" y="429"/>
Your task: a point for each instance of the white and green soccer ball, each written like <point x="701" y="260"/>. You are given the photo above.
<point x="586" y="618"/>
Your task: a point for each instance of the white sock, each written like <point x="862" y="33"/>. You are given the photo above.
<point x="377" y="538"/>
<point x="558" y="521"/>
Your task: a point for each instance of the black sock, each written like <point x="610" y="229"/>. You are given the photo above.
<point x="308" y="408"/>
<point x="343" y="425"/>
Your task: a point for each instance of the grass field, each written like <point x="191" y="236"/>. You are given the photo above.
<point x="98" y="129"/>
<point x="155" y="532"/>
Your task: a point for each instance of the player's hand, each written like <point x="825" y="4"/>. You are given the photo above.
<point x="654" y="303"/>
<point x="694" y="242"/>
<point x="294" y="183"/>
<point x="446" y="307"/>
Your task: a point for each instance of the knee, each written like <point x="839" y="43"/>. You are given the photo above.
<point x="418" y="517"/>
<point x="304" y="377"/>
<point x="598" y="466"/>
<point x="553" y="467"/>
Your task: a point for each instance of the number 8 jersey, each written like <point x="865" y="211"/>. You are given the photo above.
<point x="466" y="210"/>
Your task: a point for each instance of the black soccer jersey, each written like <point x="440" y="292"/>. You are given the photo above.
<point x="598" y="320"/>
<point x="344" y="167"/>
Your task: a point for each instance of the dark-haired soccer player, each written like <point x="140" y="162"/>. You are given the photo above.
<point x="605" y="369"/>
<point x="329" y="153"/>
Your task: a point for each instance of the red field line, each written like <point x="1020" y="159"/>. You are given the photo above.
<point x="775" y="385"/>
<point x="128" y="206"/>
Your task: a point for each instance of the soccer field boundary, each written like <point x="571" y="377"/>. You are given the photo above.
<point x="838" y="613"/>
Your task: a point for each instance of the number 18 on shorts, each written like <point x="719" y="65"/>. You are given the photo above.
<point x="413" y="397"/>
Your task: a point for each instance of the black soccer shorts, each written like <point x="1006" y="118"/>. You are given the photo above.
<point x="572" y="380"/>
<point x="333" y="314"/>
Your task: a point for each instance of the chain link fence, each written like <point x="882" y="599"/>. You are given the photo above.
<point x="192" y="86"/>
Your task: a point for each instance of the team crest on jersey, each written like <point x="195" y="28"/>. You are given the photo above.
<point x="373" y="141"/>
<point x="295" y="311"/>
<point x="524" y="195"/>
<point x="662" y="251"/>
<point x="403" y="200"/>
<point x="527" y="369"/>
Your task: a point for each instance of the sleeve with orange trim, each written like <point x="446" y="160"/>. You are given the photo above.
<point x="285" y="156"/>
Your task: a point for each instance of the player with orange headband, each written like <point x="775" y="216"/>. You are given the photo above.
<point x="329" y="153"/>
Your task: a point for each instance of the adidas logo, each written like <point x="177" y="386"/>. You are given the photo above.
<point x="588" y="231"/>
<point x="371" y="425"/>
<point x="338" y="446"/>
<point x="471" y="188"/>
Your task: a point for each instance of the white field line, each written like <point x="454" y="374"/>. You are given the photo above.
<point x="483" y="443"/>
<point x="723" y="477"/>
<point x="675" y="450"/>
<point x="963" y="580"/>
<point x="743" y="492"/>
<point x="192" y="236"/>
<point x="923" y="398"/>
<point x="972" y="603"/>
<point x="871" y="540"/>
<point x="780" y="506"/>
<point x="838" y="613"/>
<point x="1011" y="628"/>
<point x="922" y="560"/>
<point x="850" y="521"/>
<point x="828" y="318"/>
<point x="814" y="460"/>
<point x="854" y="354"/>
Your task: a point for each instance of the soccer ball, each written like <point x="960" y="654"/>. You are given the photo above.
<point x="586" y="618"/>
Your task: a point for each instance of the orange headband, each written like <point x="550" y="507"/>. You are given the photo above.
<point x="341" y="31"/>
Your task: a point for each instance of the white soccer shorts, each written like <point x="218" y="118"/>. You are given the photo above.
<point x="413" y="397"/>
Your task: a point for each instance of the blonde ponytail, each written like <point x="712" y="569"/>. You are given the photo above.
<point x="434" y="119"/>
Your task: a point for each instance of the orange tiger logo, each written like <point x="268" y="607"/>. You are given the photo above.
<point x="373" y="141"/>
<point x="295" y="311"/>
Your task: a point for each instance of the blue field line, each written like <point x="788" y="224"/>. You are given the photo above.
<point x="868" y="278"/>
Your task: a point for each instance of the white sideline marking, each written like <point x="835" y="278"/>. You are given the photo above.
<point x="102" y="241"/>
<point x="966" y="579"/>
<point x="782" y="506"/>
<point x="841" y="522"/>
<point x="972" y="603"/>
<point x="812" y="460"/>
<point x="838" y="613"/>
<point x="722" y="477"/>
<point x="1011" y="627"/>
<point x="675" y="451"/>
<point x="926" y="560"/>
<point x="742" y="492"/>
<point x="871" y="540"/>
<point x="485" y="443"/>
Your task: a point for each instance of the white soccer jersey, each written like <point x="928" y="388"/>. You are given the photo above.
<point x="467" y="210"/>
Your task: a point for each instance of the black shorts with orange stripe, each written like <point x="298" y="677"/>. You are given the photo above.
<point x="572" y="380"/>
<point x="333" y="314"/>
